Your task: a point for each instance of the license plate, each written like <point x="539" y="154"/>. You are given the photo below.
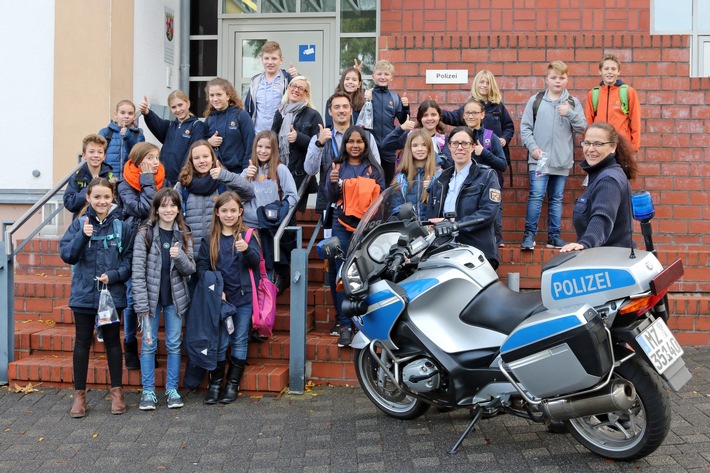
<point x="660" y="345"/>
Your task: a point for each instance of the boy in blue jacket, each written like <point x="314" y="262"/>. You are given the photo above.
<point x="93" y="152"/>
<point x="387" y="106"/>
<point x="122" y="134"/>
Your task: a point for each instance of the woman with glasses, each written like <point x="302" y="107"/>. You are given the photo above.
<point x="295" y="122"/>
<point x="602" y="214"/>
<point x="469" y="189"/>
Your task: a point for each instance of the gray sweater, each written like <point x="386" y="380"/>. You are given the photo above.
<point x="551" y="132"/>
<point x="266" y="191"/>
<point x="146" y="271"/>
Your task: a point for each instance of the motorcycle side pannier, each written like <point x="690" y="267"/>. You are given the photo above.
<point x="559" y="352"/>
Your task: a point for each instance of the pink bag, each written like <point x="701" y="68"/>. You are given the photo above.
<point x="263" y="298"/>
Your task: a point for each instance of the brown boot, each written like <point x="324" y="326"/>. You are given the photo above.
<point x="118" y="402"/>
<point x="78" y="409"/>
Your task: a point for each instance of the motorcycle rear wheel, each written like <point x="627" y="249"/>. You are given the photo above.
<point x="388" y="398"/>
<point x="635" y="432"/>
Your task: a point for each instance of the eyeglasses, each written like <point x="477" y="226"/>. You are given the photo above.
<point x="299" y="88"/>
<point x="471" y="114"/>
<point x="595" y="144"/>
<point x="463" y="144"/>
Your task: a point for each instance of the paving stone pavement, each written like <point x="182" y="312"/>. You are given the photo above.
<point x="327" y="430"/>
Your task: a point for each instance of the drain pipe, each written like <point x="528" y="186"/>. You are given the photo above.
<point x="184" y="80"/>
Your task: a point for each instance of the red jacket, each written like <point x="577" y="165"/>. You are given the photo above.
<point x="609" y="110"/>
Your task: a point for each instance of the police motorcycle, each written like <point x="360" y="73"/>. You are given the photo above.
<point x="436" y="327"/>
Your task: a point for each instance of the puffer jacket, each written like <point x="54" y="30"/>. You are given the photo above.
<point x="120" y="146"/>
<point x="75" y="194"/>
<point x="136" y="204"/>
<point x="147" y="266"/>
<point x="176" y="138"/>
<point x="94" y="258"/>
<point x="199" y="208"/>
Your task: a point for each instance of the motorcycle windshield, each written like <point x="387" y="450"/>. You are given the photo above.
<point x="382" y="210"/>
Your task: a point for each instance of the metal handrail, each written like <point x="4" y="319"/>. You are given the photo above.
<point x="7" y="280"/>
<point x="284" y="224"/>
<point x="33" y="210"/>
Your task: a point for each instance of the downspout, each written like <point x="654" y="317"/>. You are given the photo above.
<point x="184" y="81"/>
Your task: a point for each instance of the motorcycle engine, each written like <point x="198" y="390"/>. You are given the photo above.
<point x="421" y="376"/>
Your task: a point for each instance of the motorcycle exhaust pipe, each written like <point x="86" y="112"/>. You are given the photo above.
<point x="618" y="395"/>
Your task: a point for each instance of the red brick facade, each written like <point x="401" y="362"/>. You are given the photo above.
<point x="675" y="154"/>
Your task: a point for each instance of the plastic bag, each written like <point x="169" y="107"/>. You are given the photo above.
<point x="145" y="328"/>
<point x="107" y="313"/>
<point x="542" y="165"/>
<point x="365" y="119"/>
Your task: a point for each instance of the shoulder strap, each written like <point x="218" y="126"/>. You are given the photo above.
<point x="595" y="100"/>
<point x="117" y="229"/>
<point x="109" y="135"/>
<point x="536" y="104"/>
<point x="487" y="135"/>
<point x="570" y="101"/>
<point x="624" y="97"/>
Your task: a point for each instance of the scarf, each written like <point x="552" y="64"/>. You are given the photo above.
<point x="204" y="185"/>
<point x="288" y="111"/>
<point x="132" y="175"/>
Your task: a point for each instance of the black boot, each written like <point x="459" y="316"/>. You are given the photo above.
<point x="236" y="369"/>
<point x="133" y="362"/>
<point x="215" y="383"/>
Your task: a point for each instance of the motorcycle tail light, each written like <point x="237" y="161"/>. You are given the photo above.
<point x="641" y="305"/>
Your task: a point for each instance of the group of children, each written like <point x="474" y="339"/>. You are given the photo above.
<point x="148" y="221"/>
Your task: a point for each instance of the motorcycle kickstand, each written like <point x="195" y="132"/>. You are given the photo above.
<point x="477" y="412"/>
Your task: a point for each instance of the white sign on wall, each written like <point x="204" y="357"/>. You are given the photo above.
<point x="447" y="76"/>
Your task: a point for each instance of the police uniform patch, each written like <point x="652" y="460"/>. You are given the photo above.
<point x="494" y="195"/>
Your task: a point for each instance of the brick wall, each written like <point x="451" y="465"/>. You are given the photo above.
<point x="675" y="155"/>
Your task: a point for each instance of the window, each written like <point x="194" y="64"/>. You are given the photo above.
<point x="691" y="17"/>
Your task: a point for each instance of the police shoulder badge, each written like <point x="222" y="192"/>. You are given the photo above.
<point x="494" y="195"/>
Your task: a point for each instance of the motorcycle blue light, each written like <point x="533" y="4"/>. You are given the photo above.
<point x="643" y="206"/>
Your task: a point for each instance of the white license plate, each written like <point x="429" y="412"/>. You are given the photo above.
<point x="660" y="345"/>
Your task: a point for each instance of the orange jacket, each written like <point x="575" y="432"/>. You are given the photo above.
<point x="609" y="110"/>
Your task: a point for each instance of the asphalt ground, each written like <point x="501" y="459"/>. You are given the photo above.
<point x="328" y="429"/>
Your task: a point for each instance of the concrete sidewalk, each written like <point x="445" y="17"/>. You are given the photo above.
<point x="326" y="430"/>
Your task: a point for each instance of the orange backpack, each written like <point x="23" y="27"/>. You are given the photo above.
<point x="358" y="194"/>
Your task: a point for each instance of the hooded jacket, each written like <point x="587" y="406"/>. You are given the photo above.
<point x="176" y="138"/>
<point x="386" y="107"/>
<point x="234" y="125"/>
<point x="250" y="103"/>
<point x="551" y="132"/>
<point x="119" y="147"/>
<point x="609" y="110"/>
<point x="75" y="194"/>
<point x="94" y="258"/>
<point x="147" y="266"/>
<point x="306" y="124"/>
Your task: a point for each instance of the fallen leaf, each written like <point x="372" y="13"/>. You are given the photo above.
<point x="94" y="436"/>
<point x="30" y="388"/>
<point x="41" y="439"/>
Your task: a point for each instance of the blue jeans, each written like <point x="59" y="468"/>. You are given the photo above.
<point x="173" y="342"/>
<point x="239" y="339"/>
<point x="130" y="319"/>
<point x="554" y="186"/>
<point x="344" y="236"/>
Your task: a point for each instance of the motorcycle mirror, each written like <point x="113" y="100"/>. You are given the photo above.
<point x="406" y="211"/>
<point x="329" y="248"/>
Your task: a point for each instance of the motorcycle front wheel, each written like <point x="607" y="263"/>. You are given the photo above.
<point x="385" y="395"/>
<point x="635" y="432"/>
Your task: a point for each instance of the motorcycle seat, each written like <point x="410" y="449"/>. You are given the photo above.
<point x="501" y="309"/>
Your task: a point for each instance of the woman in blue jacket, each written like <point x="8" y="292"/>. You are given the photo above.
<point x="176" y="136"/>
<point x="229" y="126"/>
<point x="227" y="251"/>
<point x="100" y="248"/>
<point x="469" y="189"/>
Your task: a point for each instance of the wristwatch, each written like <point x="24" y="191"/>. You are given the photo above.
<point x="318" y="144"/>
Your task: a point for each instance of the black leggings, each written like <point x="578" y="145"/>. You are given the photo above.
<point x="82" y="345"/>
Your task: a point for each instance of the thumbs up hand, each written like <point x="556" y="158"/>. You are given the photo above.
<point x="335" y="173"/>
<point x="215" y="140"/>
<point x="215" y="171"/>
<point x="251" y="170"/>
<point x="174" y="250"/>
<point x="405" y="100"/>
<point x="292" y="71"/>
<point x="239" y="244"/>
<point x="292" y="135"/>
<point x="88" y="228"/>
<point x="408" y="124"/>
<point x="324" y="135"/>
<point x="478" y="148"/>
<point x="143" y="106"/>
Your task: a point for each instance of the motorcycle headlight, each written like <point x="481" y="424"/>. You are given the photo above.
<point x="353" y="278"/>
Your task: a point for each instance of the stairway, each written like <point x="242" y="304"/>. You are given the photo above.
<point x="44" y="329"/>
